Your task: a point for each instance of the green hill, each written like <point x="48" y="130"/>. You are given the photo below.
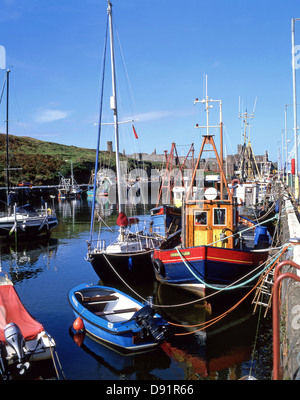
<point x="42" y="162"/>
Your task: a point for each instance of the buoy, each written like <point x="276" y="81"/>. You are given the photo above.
<point x="78" y="324"/>
<point x="78" y="338"/>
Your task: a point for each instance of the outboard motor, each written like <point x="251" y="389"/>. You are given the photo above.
<point x="144" y="318"/>
<point x="14" y="339"/>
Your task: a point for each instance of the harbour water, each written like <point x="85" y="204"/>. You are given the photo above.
<point x="238" y="345"/>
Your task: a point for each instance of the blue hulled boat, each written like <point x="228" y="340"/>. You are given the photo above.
<point x="114" y="317"/>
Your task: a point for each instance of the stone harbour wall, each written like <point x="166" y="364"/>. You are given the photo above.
<point x="290" y="298"/>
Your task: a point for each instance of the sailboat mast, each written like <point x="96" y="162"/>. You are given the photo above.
<point x="113" y="105"/>
<point x="7" y="138"/>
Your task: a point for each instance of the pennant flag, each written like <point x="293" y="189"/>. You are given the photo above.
<point x="134" y="131"/>
<point x="2" y="58"/>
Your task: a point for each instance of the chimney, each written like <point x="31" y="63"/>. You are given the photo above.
<point x="109" y="147"/>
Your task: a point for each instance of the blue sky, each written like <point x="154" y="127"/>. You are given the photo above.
<point x="54" y="49"/>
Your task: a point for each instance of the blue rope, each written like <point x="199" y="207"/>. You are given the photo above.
<point x="227" y="287"/>
<point x="99" y="132"/>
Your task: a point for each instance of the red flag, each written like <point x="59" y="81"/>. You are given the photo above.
<point x="134" y="131"/>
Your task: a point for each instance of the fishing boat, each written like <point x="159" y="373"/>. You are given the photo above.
<point x="218" y="249"/>
<point x="116" y="318"/>
<point x="252" y="186"/>
<point x="22" y="338"/>
<point x="129" y="255"/>
<point x="22" y="221"/>
<point x="68" y="188"/>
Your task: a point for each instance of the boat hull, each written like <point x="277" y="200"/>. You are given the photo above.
<point x="206" y="266"/>
<point x="130" y="267"/>
<point x="38" y="344"/>
<point x="116" y="329"/>
<point x="26" y="226"/>
<point x="39" y="349"/>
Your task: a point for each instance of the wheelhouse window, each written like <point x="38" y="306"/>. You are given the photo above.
<point x="220" y="216"/>
<point x="200" y="218"/>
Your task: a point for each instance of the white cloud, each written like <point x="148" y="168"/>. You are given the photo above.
<point x="51" y="115"/>
<point x="154" y="115"/>
<point x="216" y="64"/>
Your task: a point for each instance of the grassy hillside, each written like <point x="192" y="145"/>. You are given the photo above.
<point x="42" y="162"/>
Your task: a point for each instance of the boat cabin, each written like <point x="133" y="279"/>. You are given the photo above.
<point x="210" y="224"/>
<point x="210" y="212"/>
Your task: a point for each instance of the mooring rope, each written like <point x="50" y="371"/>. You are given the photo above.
<point x="229" y="287"/>
<point x="221" y="316"/>
<point x="201" y="299"/>
<point x="53" y="360"/>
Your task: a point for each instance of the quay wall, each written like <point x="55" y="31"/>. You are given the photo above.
<point x="290" y="296"/>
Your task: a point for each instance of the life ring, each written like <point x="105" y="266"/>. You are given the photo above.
<point x="159" y="267"/>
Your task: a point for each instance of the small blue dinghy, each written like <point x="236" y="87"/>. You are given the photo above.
<point x="114" y="317"/>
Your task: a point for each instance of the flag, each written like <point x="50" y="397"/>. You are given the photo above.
<point x="134" y="131"/>
<point x="2" y="58"/>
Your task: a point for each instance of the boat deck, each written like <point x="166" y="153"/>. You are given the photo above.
<point x="98" y="305"/>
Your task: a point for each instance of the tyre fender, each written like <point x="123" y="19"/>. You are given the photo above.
<point x="159" y="266"/>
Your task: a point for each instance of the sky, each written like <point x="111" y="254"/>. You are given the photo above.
<point x="164" y="52"/>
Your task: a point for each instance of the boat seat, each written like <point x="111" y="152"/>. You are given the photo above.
<point x="125" y="310"/>
<point x="98" y="299"/>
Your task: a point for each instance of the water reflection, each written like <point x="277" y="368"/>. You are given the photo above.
<point x="206" y="349"/>
<point x="200" y="345"/>
<point x="47" y="270"/>
<point x="135" y="365"/>
<point x="23" y="260"/>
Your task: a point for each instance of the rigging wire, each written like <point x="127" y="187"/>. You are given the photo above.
<point x="3" y="87"/>
<point x="136" y="143"/>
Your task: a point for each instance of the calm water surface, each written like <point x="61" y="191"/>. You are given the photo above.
<point x="43" y="274"/>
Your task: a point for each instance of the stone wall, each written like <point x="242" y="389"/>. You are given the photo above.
<point x="290" y="298"/>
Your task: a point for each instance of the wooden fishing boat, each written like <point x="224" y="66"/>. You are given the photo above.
<point x="116" y="318"/>
<point x="218" y="248"/>
<point x="22" y="338"/>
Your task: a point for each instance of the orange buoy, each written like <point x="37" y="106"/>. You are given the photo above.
<point x="78" y="338"/>
<point x="78" y="324"/>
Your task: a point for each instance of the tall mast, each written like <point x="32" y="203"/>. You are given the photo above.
<point x="113" y="105"/>
<point x="7" y="138"/>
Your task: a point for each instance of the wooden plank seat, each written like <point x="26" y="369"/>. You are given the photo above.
<point x="125" y="310"/>
<point x="96" y="299"/>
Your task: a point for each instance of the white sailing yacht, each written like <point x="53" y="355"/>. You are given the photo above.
<point x="129" y="256"/>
